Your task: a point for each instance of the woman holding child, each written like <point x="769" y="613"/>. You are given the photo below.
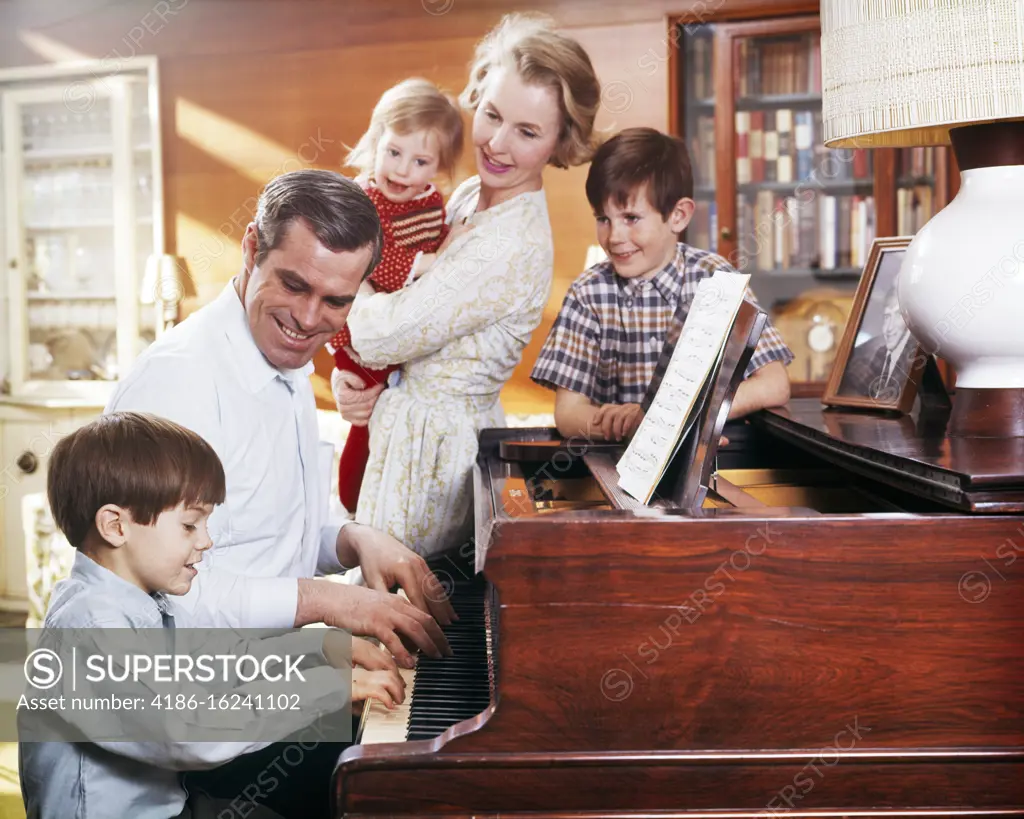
<point x="459" y="330"/>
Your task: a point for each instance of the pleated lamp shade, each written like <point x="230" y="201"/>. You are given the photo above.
<point x="903" y="72"/>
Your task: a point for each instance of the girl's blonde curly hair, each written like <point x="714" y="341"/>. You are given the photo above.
<point x="412" y="105"/>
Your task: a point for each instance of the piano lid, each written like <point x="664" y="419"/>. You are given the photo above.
<point x="911" y="452"/>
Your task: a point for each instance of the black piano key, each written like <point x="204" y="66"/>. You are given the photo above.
<point x="462" y="710"/>
<point x="477" y="691"/>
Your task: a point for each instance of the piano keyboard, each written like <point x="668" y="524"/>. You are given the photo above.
<point x="440" y="693"/>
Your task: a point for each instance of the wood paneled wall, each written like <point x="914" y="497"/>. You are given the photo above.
<point x="250" y="89"/>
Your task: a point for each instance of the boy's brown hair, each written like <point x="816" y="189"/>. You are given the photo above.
<point x="638" y="156"/>
<point x="138" y="461"/>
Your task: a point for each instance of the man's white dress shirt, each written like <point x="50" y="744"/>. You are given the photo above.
<point x="207" y="374"/>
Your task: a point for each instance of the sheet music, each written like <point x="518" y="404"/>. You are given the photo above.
<point x="673" y="410"/>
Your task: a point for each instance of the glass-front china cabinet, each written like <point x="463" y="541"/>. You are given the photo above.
<point x="81" y="212"/>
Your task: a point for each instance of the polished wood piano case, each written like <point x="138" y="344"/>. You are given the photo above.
<point x="837" y="629"/>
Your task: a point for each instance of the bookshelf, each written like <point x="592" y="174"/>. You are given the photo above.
<point x="800" y="218"/>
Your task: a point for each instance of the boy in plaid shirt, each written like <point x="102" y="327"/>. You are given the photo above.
<point x="602" y="351"/>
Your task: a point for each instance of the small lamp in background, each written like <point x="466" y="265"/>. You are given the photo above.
<point x="164" y="286"/>
<point x="910" y="72"/>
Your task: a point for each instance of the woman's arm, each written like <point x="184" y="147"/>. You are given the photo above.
<point x="480" y="279"/>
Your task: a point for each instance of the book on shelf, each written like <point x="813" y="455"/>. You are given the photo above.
<point x="701" y="77"/>
<point x="742" y="147"/>
<point x="787" y="145"/>
<point x="776" y="66"/>
<point x="844" y="216"/>
<point x="803" y="143"/>
<point x="914" y="207"/>
<point x="771" y="148"/>
<point x="703" y="228"/>
<point x="863" y="230"/>
<point x="702" y="151"/>
<point x="784" y="161"/>
<point x="744" y="87"/>
<point x="823" y="232"/>
<point x="828" y="239"/>
<point x="915" y="163"/>
<point x="756" y="143"/>
<point x="764" y="213"/>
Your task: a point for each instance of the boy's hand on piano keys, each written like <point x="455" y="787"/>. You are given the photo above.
<point x="618" y="421"/>
<point x="386" y="686"/>
<point x="371" y="656"/>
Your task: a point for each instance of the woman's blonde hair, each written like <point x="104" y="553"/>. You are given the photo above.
<point x="412" y="105"/>
<point x="542" y="56"/>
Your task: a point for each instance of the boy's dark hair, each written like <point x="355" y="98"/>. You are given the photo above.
<point x="138" y="461"/>
<point x="637" y="156"/>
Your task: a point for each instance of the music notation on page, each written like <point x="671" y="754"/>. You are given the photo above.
<point x="677" y="401"/>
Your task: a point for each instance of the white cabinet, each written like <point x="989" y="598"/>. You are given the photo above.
<point x="81" y="212"/>
<point x="28" y="435"/>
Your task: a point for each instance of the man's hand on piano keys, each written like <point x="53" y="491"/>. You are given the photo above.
<point x="386" y="686"/>
<point x="384" y="616"/>
<point x="386" y="563"/>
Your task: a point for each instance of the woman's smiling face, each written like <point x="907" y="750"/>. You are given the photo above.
<point x="515" y="131"/>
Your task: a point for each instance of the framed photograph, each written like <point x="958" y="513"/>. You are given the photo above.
<point x="878" y="363"/>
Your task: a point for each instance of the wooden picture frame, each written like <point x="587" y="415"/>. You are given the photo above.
<point x="864" y="375"/>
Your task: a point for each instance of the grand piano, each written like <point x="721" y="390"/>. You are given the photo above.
<point x="824" y="617"/>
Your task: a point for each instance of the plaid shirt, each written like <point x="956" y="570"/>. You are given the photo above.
<point x="610" y="331"/>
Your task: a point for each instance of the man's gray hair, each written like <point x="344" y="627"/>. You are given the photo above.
<point x="334" y="207"/>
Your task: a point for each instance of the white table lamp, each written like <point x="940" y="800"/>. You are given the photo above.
<point x="935" y="72"/>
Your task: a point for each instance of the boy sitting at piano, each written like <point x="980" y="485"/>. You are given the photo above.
<point x="602" y="351"/>
<point x="132" y="493"/>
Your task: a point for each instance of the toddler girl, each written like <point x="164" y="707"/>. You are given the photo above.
<point x="415" y="133"/>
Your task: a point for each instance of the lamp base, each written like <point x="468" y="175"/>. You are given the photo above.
<point x="987" y="413"/>
<point x="961" y="285"/>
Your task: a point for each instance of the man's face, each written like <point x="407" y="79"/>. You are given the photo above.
<point x="894" y="328"/>
<point x="299" y="295"/>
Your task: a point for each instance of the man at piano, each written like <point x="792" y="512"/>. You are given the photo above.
<point x="237" y="373"/>
<point x="617" y="317"/>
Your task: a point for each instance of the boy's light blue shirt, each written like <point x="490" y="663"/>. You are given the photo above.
<point x="82" y="780"/>
<point x="97" y="780"/>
